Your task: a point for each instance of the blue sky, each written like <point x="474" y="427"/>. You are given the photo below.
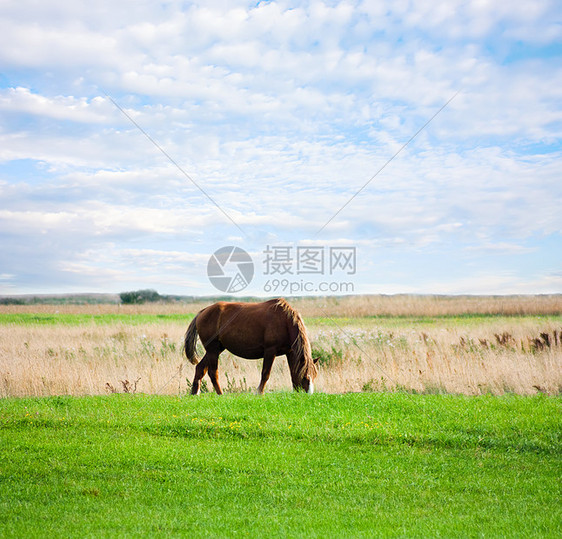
<point x="280" y="112"/>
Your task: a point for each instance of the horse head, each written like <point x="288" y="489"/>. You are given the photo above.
<point x="309" y="374"/>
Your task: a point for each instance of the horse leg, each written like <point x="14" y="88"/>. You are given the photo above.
<point x="200" y="371"/>
<point x="209" y="364"/>
<point x="268" y="358"/>
<point x="213" y="373"/>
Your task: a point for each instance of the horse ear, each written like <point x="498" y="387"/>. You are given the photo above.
<point x="315" y="359"/>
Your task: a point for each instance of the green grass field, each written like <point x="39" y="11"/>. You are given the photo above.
<point x="81" y="319"/>
<point x="72" y="319"/>
<point x="286" y="464"/>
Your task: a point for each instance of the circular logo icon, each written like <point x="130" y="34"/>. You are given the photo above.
<point x="230" y="269"/>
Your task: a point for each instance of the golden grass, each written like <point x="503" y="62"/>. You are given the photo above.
<point x="93" y="359"/>
<point x="346" y="306"/>
<point x="416" y="305"/>
<point x="481" y="355"/>
<point x="485" y="357"/>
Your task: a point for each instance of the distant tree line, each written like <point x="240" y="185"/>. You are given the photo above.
<point x="133" y="297"/>
<point x="60" y="299"/>
<point x="12" y="301"/>
<point x="141" y="296"/>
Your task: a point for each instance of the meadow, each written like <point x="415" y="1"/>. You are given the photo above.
<point x="284" y="464"/>
<point x="434" y="417"/>
<point x="460" y="345"/>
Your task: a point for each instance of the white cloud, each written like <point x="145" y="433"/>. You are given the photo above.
<point x="33" y="45"/>
<point x="93" y="220"/>
<point x="22" y="100"/>
<point x="280" y="113"/>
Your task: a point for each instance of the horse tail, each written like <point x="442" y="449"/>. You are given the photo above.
<point x="191" y="342"/>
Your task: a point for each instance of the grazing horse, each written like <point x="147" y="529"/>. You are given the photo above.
<point x="252" y="331"/>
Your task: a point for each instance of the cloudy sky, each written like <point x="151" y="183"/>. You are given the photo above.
<point x="138" y="137"/>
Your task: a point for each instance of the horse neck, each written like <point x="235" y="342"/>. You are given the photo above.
<point x="300" y="355"/>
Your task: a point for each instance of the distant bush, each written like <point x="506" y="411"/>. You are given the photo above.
<point x="11" y="301"/>
<point x="60" y="299"/>
<point x="140" y="296"/>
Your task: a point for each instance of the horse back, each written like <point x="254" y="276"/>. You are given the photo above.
<point x="245" y="329"/>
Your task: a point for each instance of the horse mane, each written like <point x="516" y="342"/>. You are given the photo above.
<point x="301" y="345"/>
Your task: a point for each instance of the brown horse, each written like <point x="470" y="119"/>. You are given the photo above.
<point x="252" y="331"/>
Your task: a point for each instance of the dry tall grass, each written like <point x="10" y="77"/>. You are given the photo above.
<point x="346" y="306"/>
<point x="521" y="355"/>
<point x="487" y="357"/>
<point x="81" y="360"/>
<point x="417" y="305"/>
